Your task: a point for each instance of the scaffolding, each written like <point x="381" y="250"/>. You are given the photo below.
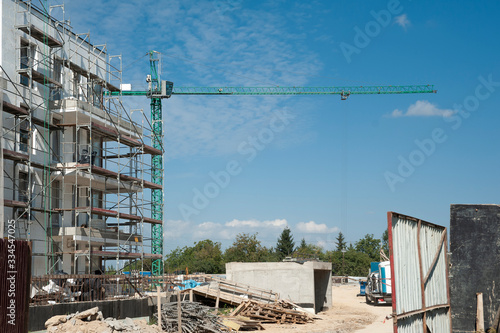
<point x="78" y="178"/>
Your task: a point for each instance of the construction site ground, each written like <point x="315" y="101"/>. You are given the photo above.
<point x="348" y="314"/>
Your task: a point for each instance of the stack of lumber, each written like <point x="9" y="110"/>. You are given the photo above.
<point x="272" y="313"/>
<point x="240" y="323"/>
<point x="195" y="318"/>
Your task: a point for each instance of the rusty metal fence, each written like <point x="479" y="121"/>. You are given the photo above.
<point x="52" y="289"/>
<point x="15" y="271"/>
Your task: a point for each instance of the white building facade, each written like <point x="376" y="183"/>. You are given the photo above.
<point x="76" y="165"/>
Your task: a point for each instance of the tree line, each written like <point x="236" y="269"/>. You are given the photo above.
<point x="207" y="256"/>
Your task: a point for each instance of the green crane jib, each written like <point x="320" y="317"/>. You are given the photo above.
<point x="158" y="90"/>
<point x="168" y="90"/>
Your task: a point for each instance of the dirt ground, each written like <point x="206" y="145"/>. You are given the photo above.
<point x="349" y="314"/>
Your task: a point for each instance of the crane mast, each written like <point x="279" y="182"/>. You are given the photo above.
<point x="154" y="90"/>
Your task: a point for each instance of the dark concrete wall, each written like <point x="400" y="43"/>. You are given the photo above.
<point x="321" y="281"/>
<point x="475" y="263"/>
<point x="118" y="309"/>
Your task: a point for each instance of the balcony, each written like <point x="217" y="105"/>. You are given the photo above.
<point x="98" y="237"/>
<point x="101" y="179"/>
<point x="77" y="112"/>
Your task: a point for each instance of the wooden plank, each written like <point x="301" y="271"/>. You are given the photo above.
<point x="15" y="203"/>
<point x="479" y="313"/>
<point x="158" y="302"/>
<point x="218" y="299"/>
<point x="238" y="309"/>
<point x="14" y="156"/>
<point x="15" y="110"/>
<point x="179" y="312"/>
<point x="152" y="150"/>
<point x="226" y="298"/>
<point x="39" y="77"/>
<point x="151" y="220"/>
<point x="241" y="285"/>
<point x="40" y="35"/>
<point x="231" y="324"/>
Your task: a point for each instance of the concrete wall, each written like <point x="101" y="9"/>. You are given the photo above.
<point x="475" y="257"/>
<point x="308" y="284"/>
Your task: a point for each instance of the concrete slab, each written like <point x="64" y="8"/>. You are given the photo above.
<point x="307" y="284"/>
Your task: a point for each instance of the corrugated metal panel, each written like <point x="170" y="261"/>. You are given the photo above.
<point x="15" y="275"/>
<point x="420" y="289"/>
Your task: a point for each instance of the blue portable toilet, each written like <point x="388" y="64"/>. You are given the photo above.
<point x="362" y="288"/>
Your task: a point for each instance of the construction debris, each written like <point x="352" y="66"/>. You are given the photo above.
<point x="195" y="318"/>
<point x="278" y="313"/>
<point x="240" y="323"/>
<point x="92" y="321"/>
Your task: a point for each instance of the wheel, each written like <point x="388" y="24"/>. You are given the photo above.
<point x="368" y="300"/>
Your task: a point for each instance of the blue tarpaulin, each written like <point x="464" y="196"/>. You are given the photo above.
<point x="189" y="284"/>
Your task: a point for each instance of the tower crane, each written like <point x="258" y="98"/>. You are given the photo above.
<point x="159" y="90"/>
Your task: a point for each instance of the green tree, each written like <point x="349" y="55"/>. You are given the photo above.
<point x="247" y="248"/>
<point x="303" y="244"/>
<point x="205" y="256"/>
<point x="138" y="265"/>
<point x="385" y="242"/>
<point x="177" y="259"/>
<point x="269" y="255"/>
<point x="351" y="262"/>
<point x="285" y="245"/>
<point x="309" y="251"/>
<point x="370" y="246"/>
<point x="110" y="270"/>
<point x="341" y="243"/>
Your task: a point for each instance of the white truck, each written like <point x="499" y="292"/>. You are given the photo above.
<point x="378" y="285"/>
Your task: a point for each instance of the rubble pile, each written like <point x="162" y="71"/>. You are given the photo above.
<point x="195" y="318"/>
<point x="91" y="321"/>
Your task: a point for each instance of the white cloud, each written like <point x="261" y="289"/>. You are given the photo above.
<point x="312" y="227"/>
<point x="175" y="229"/>
<point x="206" y="230"/>
<point x="210" y="43"/>
<point x="181" y="232"/>
<point x="403" y="21"/>
<point x="278" y="223"/>
<point x="208" y="225"/>
<point x="423" y="109"/>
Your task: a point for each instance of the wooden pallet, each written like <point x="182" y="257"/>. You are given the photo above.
<point x="271" y="313"/>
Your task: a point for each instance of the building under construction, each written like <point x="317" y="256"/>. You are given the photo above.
<point x="78" y="175"/>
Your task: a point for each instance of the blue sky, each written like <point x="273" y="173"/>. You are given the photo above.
<point x="322" y="165"/>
